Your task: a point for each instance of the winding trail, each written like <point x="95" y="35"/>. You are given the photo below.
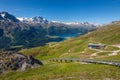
<point x="112" y="53"/>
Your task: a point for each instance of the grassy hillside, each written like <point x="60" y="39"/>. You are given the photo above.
<point x="78" y="47"/>
<point x="66" y="71"/>
<point x="107" y="35"/>
<point x="75" y="48"/>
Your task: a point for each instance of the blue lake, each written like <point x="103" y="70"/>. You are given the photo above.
<point x="66" y="36"/>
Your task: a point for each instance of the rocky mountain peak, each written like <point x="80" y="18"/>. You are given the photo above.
<point x="6" y="16"/>
<point x="39" y="19"/>
<point x="36" y="19"/>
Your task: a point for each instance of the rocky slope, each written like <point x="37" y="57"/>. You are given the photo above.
<point x="16" y="61"/>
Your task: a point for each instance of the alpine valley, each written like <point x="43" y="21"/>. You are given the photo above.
<point x="18" y="32"/>
<point x="92" y="56"/>
<point x="59" y="39"/>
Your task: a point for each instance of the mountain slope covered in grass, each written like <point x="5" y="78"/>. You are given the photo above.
<point x="78" y="47"/>
<point x="75" y="48"/>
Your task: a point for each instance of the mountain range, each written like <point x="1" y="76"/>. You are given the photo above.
<point x="32" y="32"/>
<point x="36" y="31"/>
<point x="61" y="59"/>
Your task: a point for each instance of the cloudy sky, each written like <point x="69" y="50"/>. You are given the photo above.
<point x="98" y="11"/>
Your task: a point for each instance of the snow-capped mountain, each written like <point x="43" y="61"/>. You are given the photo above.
<point x="40" y="20"/>
<point x="25" y="19"/>
<point x="6" y="16"/>
<point x="31" y="32"/>
<point x="67" y="23"/>
<point x="77" y="23"/>
<point x="36" y="19"/>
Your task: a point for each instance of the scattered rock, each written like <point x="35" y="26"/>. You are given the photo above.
<point x="10" y="60"/>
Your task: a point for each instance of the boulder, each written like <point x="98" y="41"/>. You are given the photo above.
<point x="17" y="61"/>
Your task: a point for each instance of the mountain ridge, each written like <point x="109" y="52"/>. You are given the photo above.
<point x="36" y="31"/>
<point x="6" y="16"/>
<point x="38" y="19"/>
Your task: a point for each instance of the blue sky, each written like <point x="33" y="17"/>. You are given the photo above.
<point x="98" y="11"/>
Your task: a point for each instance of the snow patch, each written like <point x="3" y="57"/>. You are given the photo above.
<point x="20" y="18"/>
<point x="3" y="15"/>
<point x="25" y="19"/>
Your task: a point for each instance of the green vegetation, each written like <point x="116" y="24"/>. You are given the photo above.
<point x="106" y="35"/>
<point x="66" y="71"/>
<point x="103" y="53"/>
<point x="78" y="47"/>
<point x="112" y="58"/>
<point x="111" y="48"/>
<point x="63" y="49"/>
<point x="74" y="48"/>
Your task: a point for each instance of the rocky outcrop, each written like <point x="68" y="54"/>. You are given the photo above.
<point x="16" y="61"/>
